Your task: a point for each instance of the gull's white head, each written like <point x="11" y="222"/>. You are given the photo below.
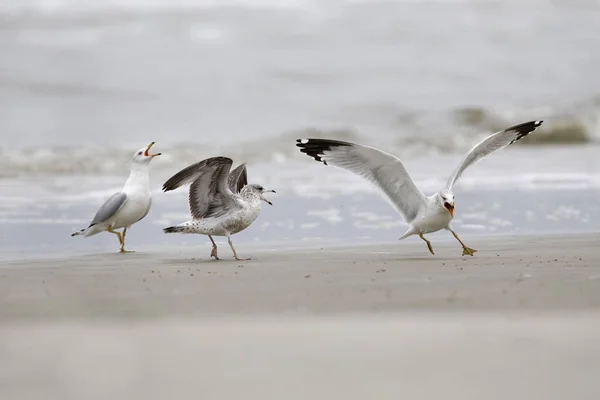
<point x="143" y="156"/>
<point x="447" y="201"/>
<point x="259" y="190"/>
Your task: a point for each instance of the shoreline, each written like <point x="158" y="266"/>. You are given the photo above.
<point x="295" y="220"/>
<point x="201" y="248"/>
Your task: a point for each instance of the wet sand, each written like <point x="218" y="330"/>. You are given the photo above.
<point x="518" y="320"/>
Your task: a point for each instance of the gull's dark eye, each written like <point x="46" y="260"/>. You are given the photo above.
<point x="139" y="153"/>
<point x="260" y="188"/>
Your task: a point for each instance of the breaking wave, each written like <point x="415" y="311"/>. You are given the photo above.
<point x="473" y="123"/>
<point x="563" y="129"/>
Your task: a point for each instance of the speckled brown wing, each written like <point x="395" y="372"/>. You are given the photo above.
<point x="210" y="195"/>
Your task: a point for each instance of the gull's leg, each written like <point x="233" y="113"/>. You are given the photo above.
<point x="123" y="243"/>
<point x="428" y="243"/>
<point x="213" y="253"/>
<point x="466" y="250"/>
<point x="118" y="236"/>
<point x="234" y="253"/>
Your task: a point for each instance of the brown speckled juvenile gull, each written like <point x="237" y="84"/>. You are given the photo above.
<point x="221" y="203"/>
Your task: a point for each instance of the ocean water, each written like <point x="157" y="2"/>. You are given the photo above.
<point x="83" y="84"/>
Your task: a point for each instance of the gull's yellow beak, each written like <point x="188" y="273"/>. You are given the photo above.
<point x="148" y="149"/>
<point x="450" y="208"/>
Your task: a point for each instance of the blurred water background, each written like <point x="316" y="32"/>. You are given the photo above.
<point x="84" y="83"/>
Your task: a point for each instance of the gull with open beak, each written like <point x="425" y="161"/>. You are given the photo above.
<point x="130" y="205"/>
<point x="424" y="214"/>
<point x="222" y="203"/>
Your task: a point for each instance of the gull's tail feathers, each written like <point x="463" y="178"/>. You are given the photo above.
<point x="89" y="231"/>
<point x="185" y="227"/>
<point x="78" y="233"/>
<point x="174" y="229"/>
<point x="408" y="233"/>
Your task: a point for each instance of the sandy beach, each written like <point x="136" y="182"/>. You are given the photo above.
<point x="518" y="320"/>
<point x="512" y="273"/>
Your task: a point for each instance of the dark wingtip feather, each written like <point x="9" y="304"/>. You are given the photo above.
<point x="524" y="129"/>
<point x="175" y="181"/>
<point x="315" y="148"/>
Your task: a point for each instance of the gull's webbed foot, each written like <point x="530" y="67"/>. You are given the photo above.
<point x="467" y="251"/>
<point x="213" y="253"/>
<point x="123" y="248"/>
<point x="233" y="250"/>
<point x="121" y="238"/>
<point x="123" y="243"/>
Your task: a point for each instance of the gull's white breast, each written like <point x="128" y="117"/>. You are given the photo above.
<point x="431" y="217"/>
<point x="134" y="209"/>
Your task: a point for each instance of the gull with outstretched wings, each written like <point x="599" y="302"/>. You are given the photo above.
<point x="222" y="203"/>
<point x="424" y="214"/>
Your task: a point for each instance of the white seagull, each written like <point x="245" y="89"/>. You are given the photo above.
<point x="221" y="203"/>
<point x="128" y="206"/>
<point x="423" y="214"/>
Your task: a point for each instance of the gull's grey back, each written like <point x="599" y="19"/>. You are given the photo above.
<point x="109" y="208"/>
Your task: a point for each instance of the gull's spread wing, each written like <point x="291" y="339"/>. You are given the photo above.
<point x="384" y="170"/>
<point x="209" y="195"/>
<point x="109" y="208"/>
<point x="238" y="178"/>
<point x="492" y="143"/>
